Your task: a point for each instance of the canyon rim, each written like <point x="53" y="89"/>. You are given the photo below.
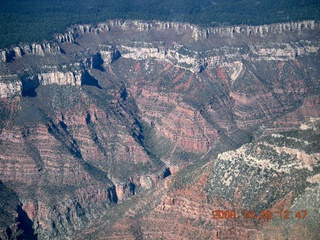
<point x="140" y="129"/>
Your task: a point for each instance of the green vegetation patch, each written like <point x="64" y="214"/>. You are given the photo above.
<point x="35" y="20"/>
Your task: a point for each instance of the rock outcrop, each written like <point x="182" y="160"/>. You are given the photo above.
<point x="197" y="33"/>
<point x="40" y="49"/>
<point x="60" y="78"/>
<point x="109" y="54"/>
<point x="264" y="176"/>
<point x="196" y="61"/>
<point x="26" y="83"/>
<point x="10" y="85"/>
<point x="112" y="110"/>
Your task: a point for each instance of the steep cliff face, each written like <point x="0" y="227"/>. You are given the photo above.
<point x="10" y="85"/>
<point x="10" y="54"/>
<point x="265" y="175"/>
<point x="197" y="33"/>
<point x="108" y="111"/>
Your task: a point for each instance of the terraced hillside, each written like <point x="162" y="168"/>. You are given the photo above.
<point x="105" y="113"/>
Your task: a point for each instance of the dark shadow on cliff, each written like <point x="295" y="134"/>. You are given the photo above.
<point x="124" y="93"/>
<point x="29" y="93"/>
<point x="89" y="80"/>
<point x="166" y="173"/>
<point x="26" y="225"/>
<point x="112" y="195"/>
<point x="132" y="187"/>
<point x="29" y="86"/>
<point x="98" y="62"/>
<point x="9" y="201"/>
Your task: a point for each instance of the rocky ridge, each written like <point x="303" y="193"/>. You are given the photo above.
<point x="124" y="104"/>
<point x="181" y="206"/>
<point x="41" y="49"/>
<point x="197" y="32"/>
<point x="178" y="54"/>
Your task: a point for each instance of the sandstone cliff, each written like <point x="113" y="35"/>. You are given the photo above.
<point x="260" y="176"/>
<point x="9" y="86"/>
<point x="108" y="111"/>
<point x="41" y="49"/>
<point x="196" y="32"/>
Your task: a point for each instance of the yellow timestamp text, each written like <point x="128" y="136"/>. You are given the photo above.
<point x="263" y="214"/>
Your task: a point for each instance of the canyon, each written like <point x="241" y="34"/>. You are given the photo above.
<point x="258" y="176"/>
<point x="134" y="129"/>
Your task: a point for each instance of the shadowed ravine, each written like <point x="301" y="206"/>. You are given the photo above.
<point x="132" y="129"/>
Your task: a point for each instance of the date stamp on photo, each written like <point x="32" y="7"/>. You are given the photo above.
<point x="262" y="215"/>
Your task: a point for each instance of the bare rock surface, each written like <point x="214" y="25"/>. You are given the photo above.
<point x="94" y="123"/>
<point x="181" y="207"/>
